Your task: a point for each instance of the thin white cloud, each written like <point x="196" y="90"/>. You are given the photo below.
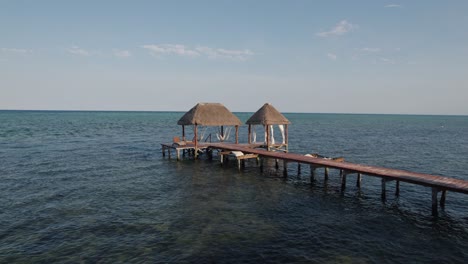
<point x="213" y="53"/>
<point x="75" y="50"/>
<point x="15" y="51"/>
<point x="387" y="60"/>
<point x="332" y="56"/>
<point x="201" y="51"/>
<point x="341" y="28"/>
<point x="393" y="6"/>
<point x="371" y="50"/>
<point x="177" y="49"/>
<point x="122" y="53"/>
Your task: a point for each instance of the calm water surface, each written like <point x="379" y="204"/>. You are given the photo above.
<point x="93" y="187"/>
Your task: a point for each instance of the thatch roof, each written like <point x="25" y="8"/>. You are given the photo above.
<point x="267" y="115"/>
<point x="209" y="114"/>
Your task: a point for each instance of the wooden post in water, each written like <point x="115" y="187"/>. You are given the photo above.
<point x="442" y="198"/>
<point x="298" y="168"/>
<point x="384" y="192"/>
<point x="397" y="188"/>
<point x="358" y="181"/>
<point x="343" y="182"/>
<point x="312" y="173"/>
<point x="434" y="202"/>
<point x="326" y="173"/>
<point x="261" y="164"/>
<point x="285" y="168"/>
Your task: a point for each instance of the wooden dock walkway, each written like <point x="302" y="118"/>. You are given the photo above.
<point x="437" y="183"/>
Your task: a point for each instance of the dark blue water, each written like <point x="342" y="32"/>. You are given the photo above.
<point x="93" y="187"/>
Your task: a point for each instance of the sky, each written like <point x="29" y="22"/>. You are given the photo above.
<point x="383" y="57"/>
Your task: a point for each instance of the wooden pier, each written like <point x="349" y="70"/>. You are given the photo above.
<point x="436" y="183"/>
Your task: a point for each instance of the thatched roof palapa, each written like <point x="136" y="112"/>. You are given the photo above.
<point x="267" y="115"/>
<point x="209" y="114"/>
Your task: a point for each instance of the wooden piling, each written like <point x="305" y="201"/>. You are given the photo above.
<point x="285" y="168"/>
<point x="397" y="188"/>
<point x="312" y="173"/>
<point x="442" y="198"/>
<point x="358" y="181"/>
<point x="434" y="202"/>
<point x="343" y="182"/>
<point x="384" y="193"/>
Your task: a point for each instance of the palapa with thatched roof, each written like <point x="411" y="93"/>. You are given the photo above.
<point x="268" y="116"/>
<point x="209" y="114"/>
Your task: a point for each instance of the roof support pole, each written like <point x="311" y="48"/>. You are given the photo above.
<point x="183" y="132"/>
<point x="250" y="133"/>
<point x="286" y="136"/>
<point x="267" y="127"/>
<point x="196" y="141"/>
<point x="237" y="134"/>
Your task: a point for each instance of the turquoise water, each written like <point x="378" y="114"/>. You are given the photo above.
<point x="93" y="187"/>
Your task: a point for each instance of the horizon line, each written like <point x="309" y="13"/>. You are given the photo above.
<point x="182" y="111"/>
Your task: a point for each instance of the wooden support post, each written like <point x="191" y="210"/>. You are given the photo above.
<point x="237" y="134"/>
<point x="442" y="198"/>
<point x="268" y="137"/>
<point x="343" y="182"/>
<point x="250" y="134"/>
<point x="169" y="152"/>
<point x="434" y="202"/>
<point x="384" y="193"/>
<point x="164" y="151"/>
<point x="183" y="133"/>
<point x="195" y="154"/>
<point x="239" y="162"/>
<point x="298" y="168"/>
<point x="261" y="163"/>
<point x="286" y="137"/>
<point x="397" y="188"/>
<point x="209" y="152"/>
<point x="358" y="180"/>
<point x="276" y="164"/>
<point x="312" y="173"/>
<point x="326" y="173"/>
<point x="285" y="168"/>
<point x="178" y="154"/>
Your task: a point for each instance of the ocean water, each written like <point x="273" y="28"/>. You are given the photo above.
<point x="93" y="187"/>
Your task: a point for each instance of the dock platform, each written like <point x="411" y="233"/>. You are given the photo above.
<point x="437" y="183"/>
